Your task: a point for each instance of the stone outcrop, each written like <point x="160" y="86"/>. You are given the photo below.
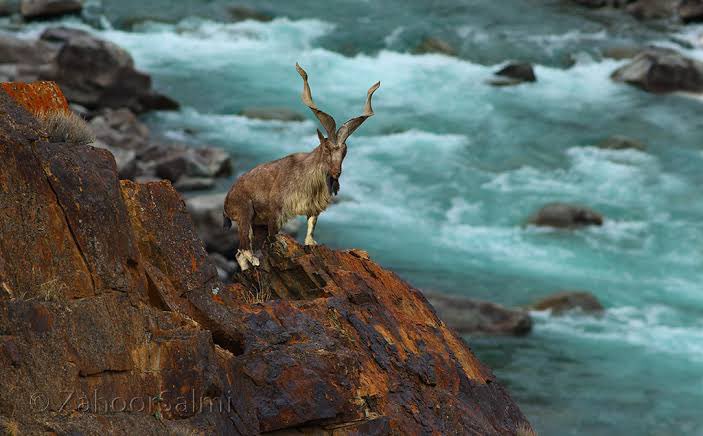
<point x="662" y="70"/>
<point x="566" y="216"/>
<point x="113" y="318"/>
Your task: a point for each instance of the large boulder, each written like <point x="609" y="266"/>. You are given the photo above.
<point x="562" y="215"/>
<point x="691" y="10"/>
<point x="96" y="73"/>
<point x="113" y="318"/>
<point x="662" y="70"/>
<point x="469" y="316"/>
<point x="32" y="9"/>
<point x="569" y="300"/>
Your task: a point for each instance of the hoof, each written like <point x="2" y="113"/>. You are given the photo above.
<point x="245" y="258"/>
<point x="310" y="241"/>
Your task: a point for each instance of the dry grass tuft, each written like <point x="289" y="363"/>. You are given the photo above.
<point x="259" y="296"/>
<point x="525" y="430"/>
<point x="11" y="428"/>
<point x="63" y="126"/>
<point x="53" y="290"/>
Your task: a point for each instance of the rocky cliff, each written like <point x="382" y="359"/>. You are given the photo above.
<point x="113" y="320"/>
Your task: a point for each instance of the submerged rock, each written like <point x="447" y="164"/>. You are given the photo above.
<point x="129" y="305"/>
<point x="562" y="215"/>
<point x="435" y="45"/>
<point x="514" y="74"/>
<point x="618" y="142"/>
<point x="469" y="316"/>
<point x="569" y="300"/>
<point x="662" y="70"/>
<point x="33" y="9"/>
<point x="241" y="13"/>
<point x="271" y="113"/>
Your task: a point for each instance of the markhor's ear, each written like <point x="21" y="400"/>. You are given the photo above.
<point x="320" y="136"/>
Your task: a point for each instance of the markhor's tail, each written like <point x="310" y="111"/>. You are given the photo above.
<point x="226" y="222"/>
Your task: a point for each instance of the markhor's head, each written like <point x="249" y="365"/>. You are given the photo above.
<point x="334" y="146"/>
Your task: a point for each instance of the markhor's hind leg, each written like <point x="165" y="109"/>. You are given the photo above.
<point x="312" y="222"/>
<point x="245" y="256"/>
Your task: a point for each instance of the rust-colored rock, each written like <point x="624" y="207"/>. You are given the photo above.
<point x="36" y="97"/>
<point x="112" y="318"/>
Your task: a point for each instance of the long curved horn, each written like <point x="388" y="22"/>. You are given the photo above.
<point x="326" y="120"/>
<point x="350" y="126"/>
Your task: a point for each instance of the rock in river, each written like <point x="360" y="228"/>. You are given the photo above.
<point x="469" y="316"/>
<point x="569" y="300"/>
<point x="562" y="215"/>
<point x="662" y="70"/>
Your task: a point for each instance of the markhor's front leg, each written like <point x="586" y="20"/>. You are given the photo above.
<point x="312" y="221"/>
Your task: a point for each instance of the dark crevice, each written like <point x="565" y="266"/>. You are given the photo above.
<point x="228" y="342"/>
<point x="101" y="373"/>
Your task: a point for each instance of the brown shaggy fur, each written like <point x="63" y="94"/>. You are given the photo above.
<point x="298" y="184"/>
<point x="66" y="126"/>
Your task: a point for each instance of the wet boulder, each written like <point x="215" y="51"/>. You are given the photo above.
<point x="569" y="300"/>
<point x="469" y="316"/>
<point x="662" y="70"/>
<point x="35" y="9"/>
<point x="562" y="215"/>
<point x="514" y="74"/>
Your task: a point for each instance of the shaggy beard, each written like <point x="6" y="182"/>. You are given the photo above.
<point x="332" y="185"/>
